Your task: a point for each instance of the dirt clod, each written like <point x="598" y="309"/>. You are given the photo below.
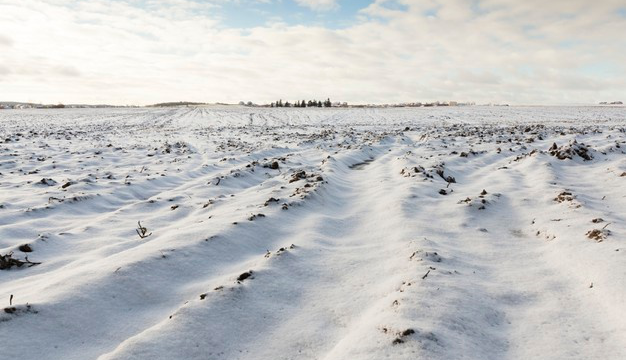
<point x="598" y="234"/>
<point x="244" y="276"/>
<point x="25" y="248"/>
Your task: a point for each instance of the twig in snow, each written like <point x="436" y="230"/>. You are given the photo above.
<point x="142" y="231"/>
<point x="425" y="275"/>
<point x="7" y="262"/>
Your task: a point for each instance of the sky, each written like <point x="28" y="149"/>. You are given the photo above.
<point x="361" y="51"/>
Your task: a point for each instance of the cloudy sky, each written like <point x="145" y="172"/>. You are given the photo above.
<point x="360" y="51"/>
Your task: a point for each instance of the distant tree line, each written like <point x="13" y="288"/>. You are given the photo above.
<point x="302" y="104"/>
<point x="178" y="103"/>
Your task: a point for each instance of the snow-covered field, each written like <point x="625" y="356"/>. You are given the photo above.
<point x="429" y="233"/>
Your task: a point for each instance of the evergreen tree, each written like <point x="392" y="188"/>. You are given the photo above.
<point x="303" y="104"/>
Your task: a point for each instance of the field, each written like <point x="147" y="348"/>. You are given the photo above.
<point x="242" y="233"/>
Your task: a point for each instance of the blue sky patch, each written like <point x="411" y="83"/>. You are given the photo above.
<point x="599" y="69"/>
<point x="250" y="13"/>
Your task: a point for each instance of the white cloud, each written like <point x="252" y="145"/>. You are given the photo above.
<point x="101" y="51"/>
<point x="4" y="71"/>
<point x="5" y="41"/>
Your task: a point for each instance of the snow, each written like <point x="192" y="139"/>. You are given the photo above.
<point x="370" y="253"/>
